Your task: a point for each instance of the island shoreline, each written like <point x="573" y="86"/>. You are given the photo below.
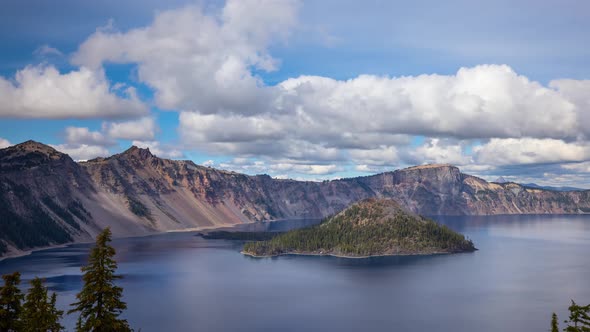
<point x="354" y="257"/>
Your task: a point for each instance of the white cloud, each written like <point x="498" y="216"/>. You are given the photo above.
<point x="279" y="167"/>
<point x="83" y="135"/>
<point x="143" y="129"/>
<point x="479" y="102"/>
<point x="512" y="151"/>
<point x="46" y="50"/>
<point x="159" y="149"/>
<point x="4" y="143"/>
<point x="43" y="92"/>
<point x="368" y="112"/>
<point x="382" y="156"/>
<point x="436" y="151"/>
<point x="202" y="66"/>
<point x="311" y="169"/>
<point x="583" y="167"/>
<point x="211" y="128"/>
<point x="199" y="62"/>
<point x="208" y="163"/>
<point x="80" y="152"/>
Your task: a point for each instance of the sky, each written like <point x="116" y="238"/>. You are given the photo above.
<point x="306" y="89"/>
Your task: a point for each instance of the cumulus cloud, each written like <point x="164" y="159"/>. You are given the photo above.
<point x="513" y="151"/>
<point x="479" y="102"/>
<point x="199" y="62"/>
<point x="439" y="151"/>
<point x="382" y="156"/>
<point x="278" y="168"/>
<point x="4" y="143"/>
<point x="83" y="135"/>
<point x="372" y="118"/>
<point x="82" y="152"/>
<point x="43" y="92"/>
<point x="143" y="129"/>
<point x="203" y="65"/>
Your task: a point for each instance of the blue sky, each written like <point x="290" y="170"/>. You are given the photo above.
<point x="306" y="89"/>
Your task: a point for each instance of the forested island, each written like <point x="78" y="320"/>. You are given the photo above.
<point x="372" y="227"/>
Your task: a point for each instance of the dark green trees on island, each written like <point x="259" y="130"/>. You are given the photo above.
<point x="368" y="228"/>
<point x="99" y="302"/>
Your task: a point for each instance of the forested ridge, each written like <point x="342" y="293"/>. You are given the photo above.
<point x="371" y="227"/>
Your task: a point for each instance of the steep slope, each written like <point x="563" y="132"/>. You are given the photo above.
<point x="47" y="198"/>
<point x="40" y="191"/>
<point x="367" y="228"/>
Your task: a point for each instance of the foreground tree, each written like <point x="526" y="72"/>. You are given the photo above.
<point x="10" y="303"/>
<point x="39" y="312"/>
<point x="579" y="320"/>
<point x="554" y="323"/>
<point x="99" y="301"/>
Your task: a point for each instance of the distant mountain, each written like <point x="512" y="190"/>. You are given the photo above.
<point x="501" y="180"/>
<point x="534" y="185"/>
<point x="46" y="198"/>
<point x="371" y="227"/>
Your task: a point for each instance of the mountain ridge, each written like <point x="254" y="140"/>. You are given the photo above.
<point x="138" y="193"/>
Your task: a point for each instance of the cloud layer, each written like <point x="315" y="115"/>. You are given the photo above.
<point x="208" y="65"/>
<point x="482" y="117"/>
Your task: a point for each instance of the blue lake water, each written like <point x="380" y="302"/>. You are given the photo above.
<point x="526" y="268"/>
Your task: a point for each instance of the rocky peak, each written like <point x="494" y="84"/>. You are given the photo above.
<point x="430" y="171"/>
<point x="33" y="146"/>
<point x="136" y="152"/>
<point x="30" y="154"/>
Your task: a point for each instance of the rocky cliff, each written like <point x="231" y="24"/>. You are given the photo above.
<point x="46" y="198"/>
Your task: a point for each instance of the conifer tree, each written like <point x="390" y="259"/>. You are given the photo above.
<point x="99" y="302"/>
<point x="10" y="303"/>
<point x="39" y="311"/>
<point x="579" y="317"/>
<point x="554" y="323"/>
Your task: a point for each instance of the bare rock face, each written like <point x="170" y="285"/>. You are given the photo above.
<point x="46" y="198"/>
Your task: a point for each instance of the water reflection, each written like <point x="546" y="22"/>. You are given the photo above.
<point x="526" y="268"/>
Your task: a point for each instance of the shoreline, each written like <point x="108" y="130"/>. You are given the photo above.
<point x="22" y="253"/>
<point x="353" y="257"/>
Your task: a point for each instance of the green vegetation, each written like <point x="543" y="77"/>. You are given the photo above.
<point x="579" y="319"/>
<point x="99" y="301"/>
<point x="138" y="208"/>
<point x="34" y="229"/>
<point x="39" y="311"/>
<point x="61" y="212"/>
<point x="27" y="232"/>
<point x="554" y="323"/>
<point x="371" y="227"/>
<point x="240" y="236"/>
<point x="10" y="303"/>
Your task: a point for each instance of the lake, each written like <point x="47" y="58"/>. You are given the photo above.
<point x="526" y="268"/>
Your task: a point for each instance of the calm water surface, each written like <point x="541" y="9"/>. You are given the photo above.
<point x="526" y="268"/>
